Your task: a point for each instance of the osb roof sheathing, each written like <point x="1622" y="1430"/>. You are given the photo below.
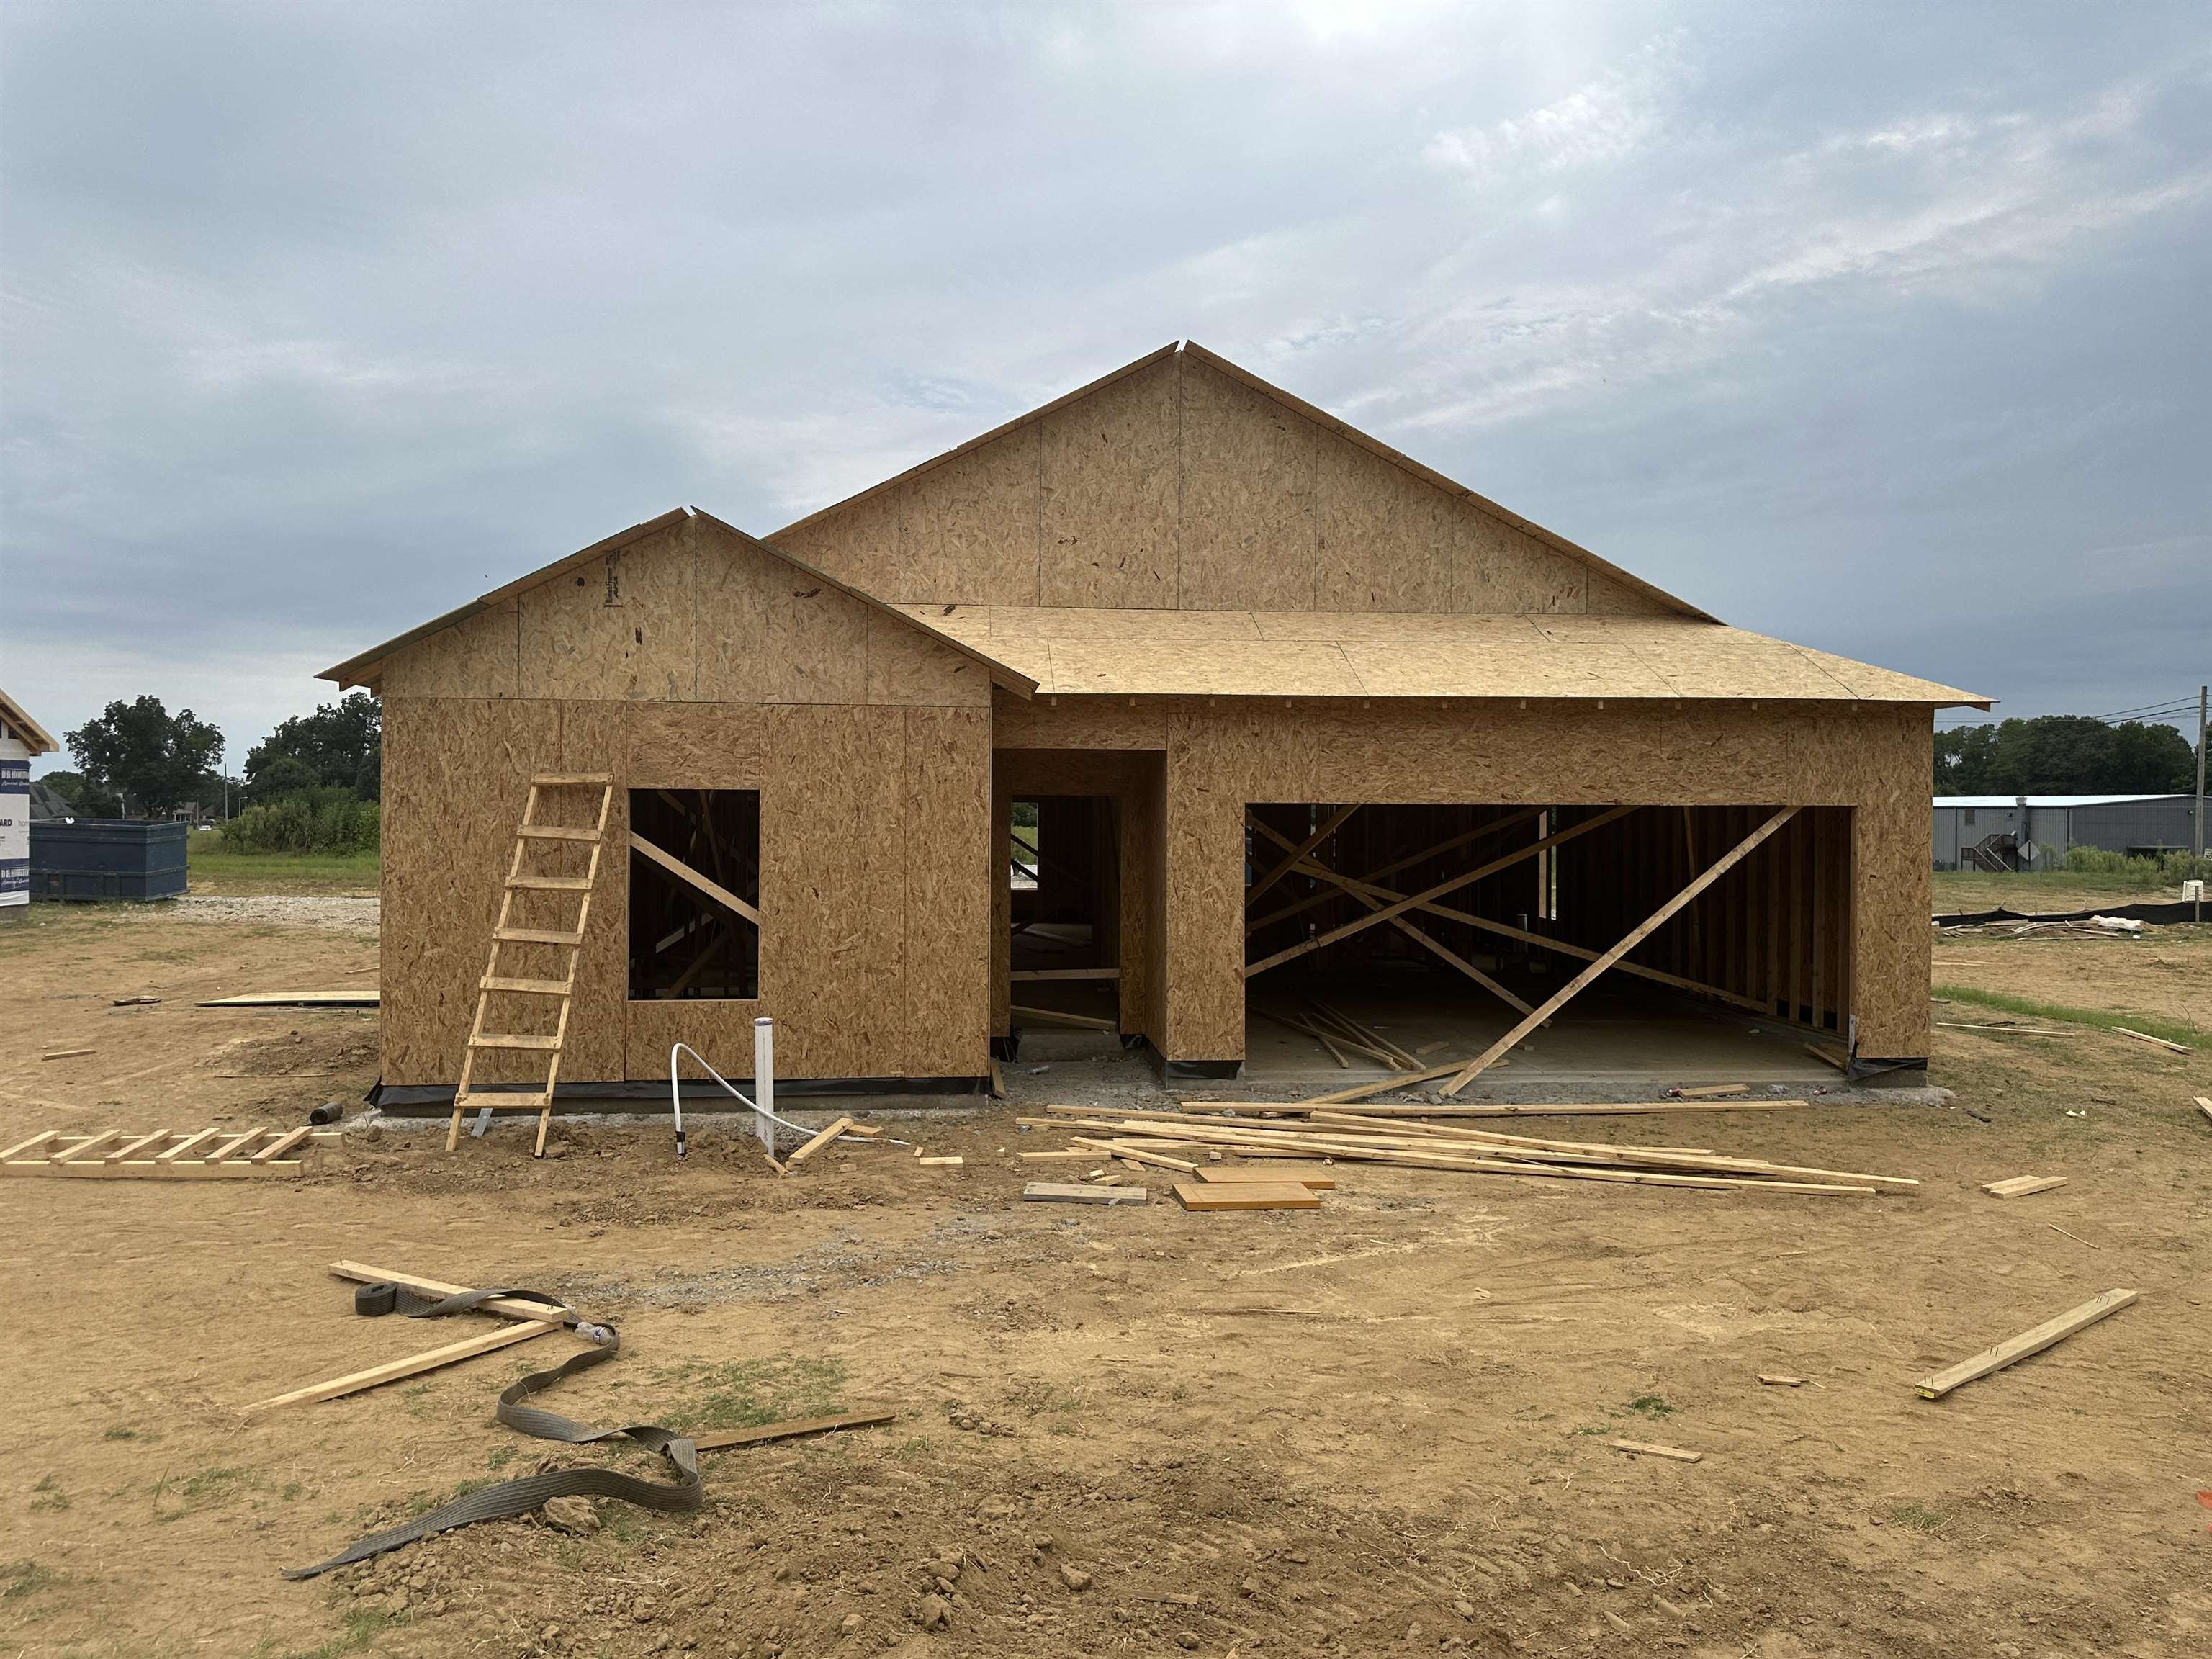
<point x="1245" y="653"/>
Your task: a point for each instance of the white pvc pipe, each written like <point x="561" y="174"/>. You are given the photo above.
<point x="762" y="1113"/>
<point x="765" y="1082"/>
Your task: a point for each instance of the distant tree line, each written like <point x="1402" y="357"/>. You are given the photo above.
<point x="311" y="786"/>
<point x="2064" y="755"/>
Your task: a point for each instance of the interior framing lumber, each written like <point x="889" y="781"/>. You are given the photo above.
<point x="1728" y="861"/>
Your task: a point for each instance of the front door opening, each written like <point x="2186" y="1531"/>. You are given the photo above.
<point x="1064" y="874"/>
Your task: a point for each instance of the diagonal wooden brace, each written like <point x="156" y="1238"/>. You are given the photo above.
<point x="1735" y="855"/>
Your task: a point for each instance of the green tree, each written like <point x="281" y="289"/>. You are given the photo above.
<point x="155" y="760"/>
<point x="89" y="798"/>
<point x="2064" y="755"/>
<point x="340" y="745"/>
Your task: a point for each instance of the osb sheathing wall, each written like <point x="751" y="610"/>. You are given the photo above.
<point x="871" y="749"/>
<point x="1872" y="760"/>
<point x="1178" y="486"/>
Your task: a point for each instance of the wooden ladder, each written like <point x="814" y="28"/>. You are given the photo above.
<point x="520" y="879"/>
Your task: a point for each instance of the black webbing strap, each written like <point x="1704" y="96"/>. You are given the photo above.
<point x="513" y="1498"/>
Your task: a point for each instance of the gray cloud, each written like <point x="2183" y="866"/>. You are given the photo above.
<point x="1879" y="330"/>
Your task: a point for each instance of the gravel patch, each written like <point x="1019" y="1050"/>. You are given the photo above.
<point x="344" y="915"/>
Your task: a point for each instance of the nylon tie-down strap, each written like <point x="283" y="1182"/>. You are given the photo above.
<point x="513" y="1498"/>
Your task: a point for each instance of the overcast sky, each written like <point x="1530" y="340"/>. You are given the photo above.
<point x="1884" y="329"/>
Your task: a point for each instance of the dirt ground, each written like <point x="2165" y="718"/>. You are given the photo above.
<point x="1377" y="1427"/>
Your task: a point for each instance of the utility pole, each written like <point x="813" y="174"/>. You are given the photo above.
<point x="2196" y="848"/>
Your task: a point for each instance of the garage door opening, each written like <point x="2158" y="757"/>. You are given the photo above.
<point x="1692" y="944"/>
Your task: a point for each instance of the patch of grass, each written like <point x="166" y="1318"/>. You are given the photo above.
<point x="2102" y="1019"/>
<point x="1917" y="1516"/>
<point x="22" y="1579"/>
<point x="50" y="1495"/>
<point x="206" y="1489"/>
<point x="212" y="867"/>
<point x="914" y="1445"/>
<point x="120" y="1434"/>
<point x="744" y="1394"/>
<point x="500" y="1457"/>
<point x="1651" y="1404"/>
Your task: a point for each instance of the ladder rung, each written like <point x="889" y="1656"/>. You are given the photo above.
<point x="542" y="1044"/>
<point x="565" y="780"/>
<point x="552" y="883"/>
<point x="476" y="1102"/>
<point x="535" y="988"/>
<point x="534" y="936"/>
<point x="555" y="832"/>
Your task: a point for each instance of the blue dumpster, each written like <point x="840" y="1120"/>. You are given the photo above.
<point x="107" y="859"/>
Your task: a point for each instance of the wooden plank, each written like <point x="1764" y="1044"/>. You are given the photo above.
<point x="1559" y="1000"/>
<point x="2013" y="1350"/>
<point x="1496" y="826"/>
<point x="1223" y="1175"/>
<point x="296" y="1000"/>
<point x="234" y="1144"/>
<point x="1360" y="923"/>
<point x="45" y="1135"/>
<point x="2204" y="1106"/>
<point x="1645" y="1448"/>
<point x="682" y="871"/>
<point x="2022" y="1185"/>
<point x="1136" y="1154"/>
<point x="277" y="1148"/>
<point x="932" y="1163"/>
<point x="189" y="1143"/>
<point x="1053" y="1017"/>
<point x="1020" y="974"/>
<point x="820" y="1141"/>
<point x="148" y="1169"/>
<point x="540" y="987"/>
<point x="413" y="1365"/>
<point x="1776" y="1380"/>
<point x="534" y="936"/>
<point x="721" y="1439"/>
<point x="1057" y="1157"/>
<point x="1329" y="826"/>
<point x="1246" y="1195"/>
<point x="569" y="779"/>
<point x="139" y="1145"/>
<point x="549" y="884"/>
<point x="543" y="1045"/>
<point x="89" y="1143"/>
<point x="1714" y="1090"/>
<point x="2145" y="1036"/>
<point x="361" y="1272"/>
<point x="1054" y="1192"/>
<point x="69" y="1053"/>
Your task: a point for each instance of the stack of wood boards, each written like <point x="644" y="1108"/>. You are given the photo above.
<point x="162" y="1155"/>
<point x="1183" y="1140"/>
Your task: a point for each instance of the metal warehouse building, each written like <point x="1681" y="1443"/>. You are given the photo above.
<point x="2032" y="832"/>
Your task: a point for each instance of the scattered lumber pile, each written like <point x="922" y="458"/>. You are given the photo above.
<point x="163" y="1155"/>
<point x="2072" y="928"/>
<point x="1323" y="1134"/>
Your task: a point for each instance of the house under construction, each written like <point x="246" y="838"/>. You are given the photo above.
<point x="1275" y="706"/>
